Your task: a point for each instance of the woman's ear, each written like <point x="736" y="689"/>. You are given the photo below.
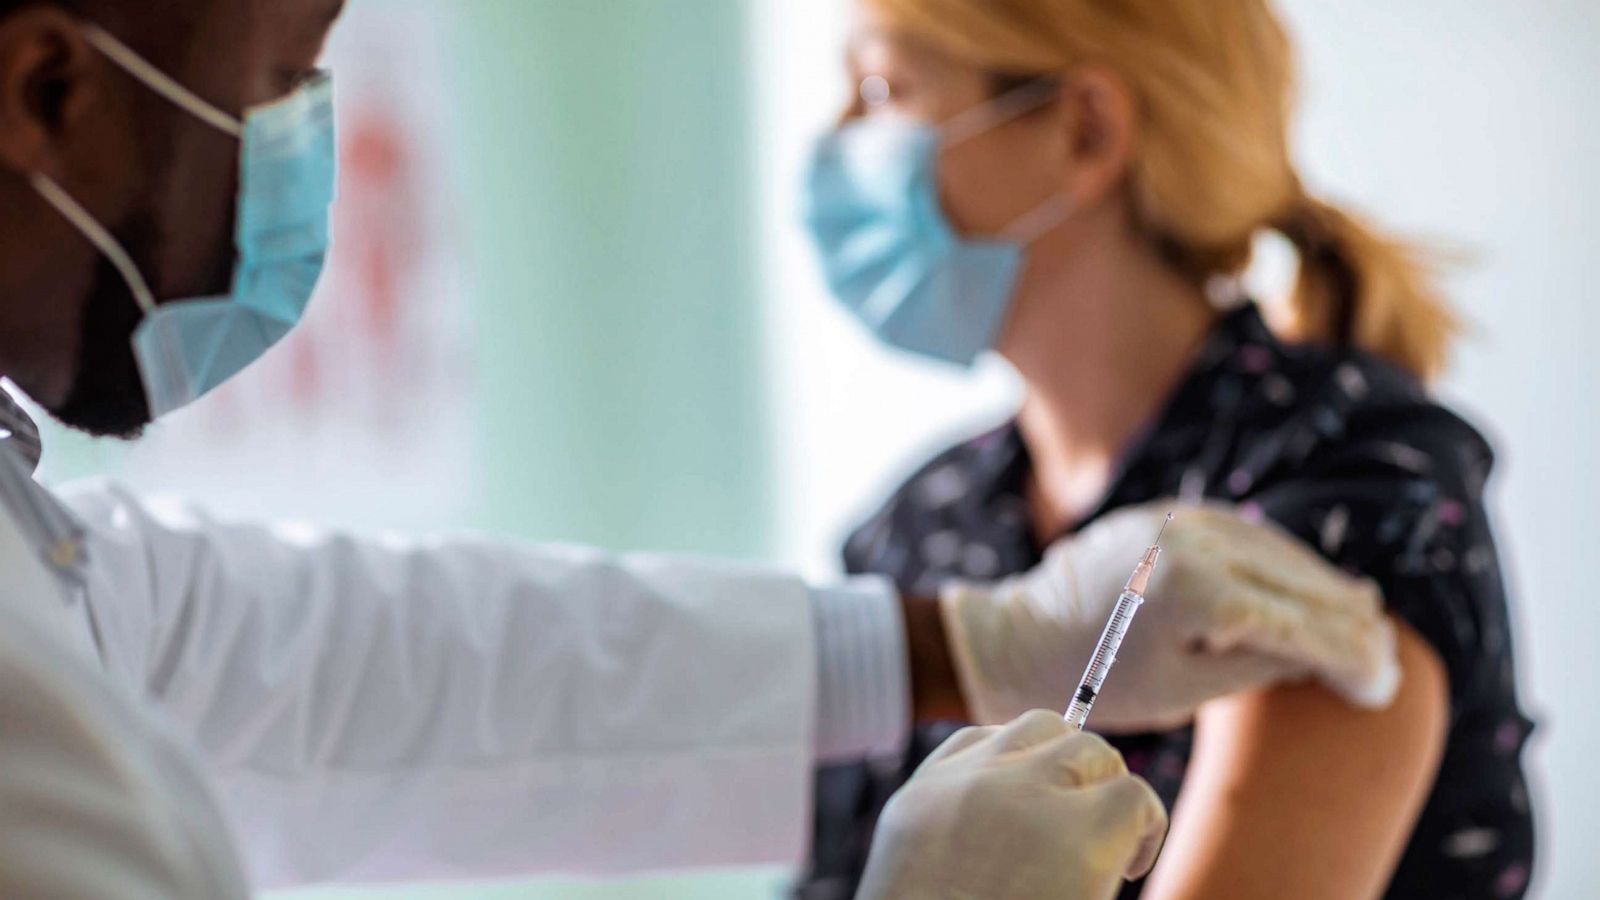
<point x="1100" y="120"/>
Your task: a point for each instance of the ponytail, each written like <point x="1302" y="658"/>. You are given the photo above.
<point x="1360" y="288"/>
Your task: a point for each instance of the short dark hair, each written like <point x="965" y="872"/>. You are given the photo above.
<point x="7" y="7"/>
<point x="150" y="25"/>
<point x="11" y="6"/>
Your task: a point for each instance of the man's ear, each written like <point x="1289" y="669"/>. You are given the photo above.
<point x="1101" y="121"/>
<point x="47" y="81"/>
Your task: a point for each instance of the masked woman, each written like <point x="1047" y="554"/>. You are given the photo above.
<point x="1076" y="185"/>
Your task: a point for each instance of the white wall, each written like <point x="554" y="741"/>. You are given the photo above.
<point x="1473" y="120"/>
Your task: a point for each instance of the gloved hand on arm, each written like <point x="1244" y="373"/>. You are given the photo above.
<point x="1033" y="810"/>
<point x="1232" y="605"/>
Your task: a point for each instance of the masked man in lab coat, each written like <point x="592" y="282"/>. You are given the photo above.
<point x="188" y="707"/>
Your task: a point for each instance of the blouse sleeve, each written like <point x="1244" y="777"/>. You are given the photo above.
<point x="1399" y="500"/>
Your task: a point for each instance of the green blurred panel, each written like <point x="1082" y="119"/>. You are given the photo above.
<point x="611" y="210"/>
<point x="612" y="266"/>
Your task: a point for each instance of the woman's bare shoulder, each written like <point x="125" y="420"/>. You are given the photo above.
<point x="1293" y="793"/>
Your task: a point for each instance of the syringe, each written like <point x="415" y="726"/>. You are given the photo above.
<point x="1105" y="652"/>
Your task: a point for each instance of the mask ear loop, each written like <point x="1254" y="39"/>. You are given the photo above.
<point x="131" y="62"/>
<point x="109" y="246"/>
<point x="102" y="239"/>
<point x="1013" y="104"/>
<point x="1039" y="221"/>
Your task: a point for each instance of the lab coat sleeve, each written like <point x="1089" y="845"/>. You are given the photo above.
<point x="384" y="710"/>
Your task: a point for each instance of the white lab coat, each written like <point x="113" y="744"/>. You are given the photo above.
<point x="375" y="710"/>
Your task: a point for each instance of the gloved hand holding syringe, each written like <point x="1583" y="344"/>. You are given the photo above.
<point x="1105" y="652"/>
<point x="1236" y="605"/>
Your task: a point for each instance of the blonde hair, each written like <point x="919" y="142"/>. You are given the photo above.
<point x="1214" y="80"/>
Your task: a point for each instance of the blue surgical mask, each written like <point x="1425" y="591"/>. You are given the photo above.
<point x="186" y="348"/>
<point x="888" y="251"/>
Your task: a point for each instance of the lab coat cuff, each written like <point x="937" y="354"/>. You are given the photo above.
<point x="863" y="680"/>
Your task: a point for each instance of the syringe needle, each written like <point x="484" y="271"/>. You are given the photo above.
<point x="1163" y="529"/>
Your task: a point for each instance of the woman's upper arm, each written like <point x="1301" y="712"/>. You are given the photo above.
<point x="1291" y="792"/>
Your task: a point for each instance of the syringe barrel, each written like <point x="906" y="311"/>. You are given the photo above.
<point x="1105" y="656"/>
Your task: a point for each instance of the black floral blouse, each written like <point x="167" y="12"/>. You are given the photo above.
<point x="1344" y="451"/>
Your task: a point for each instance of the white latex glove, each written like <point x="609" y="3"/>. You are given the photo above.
<point x="1232" y="606"/>
<point x="1031" y="811"/>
